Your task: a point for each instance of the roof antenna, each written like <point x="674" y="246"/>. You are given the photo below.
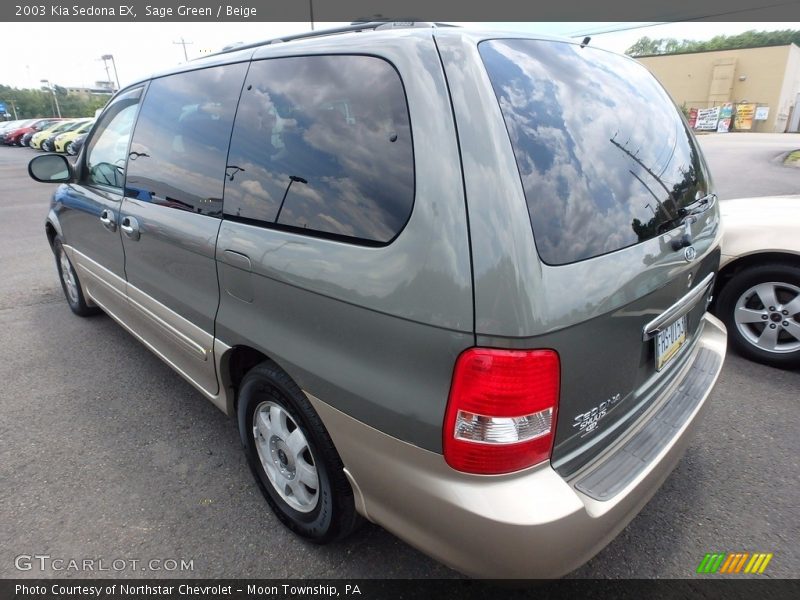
<point x="585" y="41"/>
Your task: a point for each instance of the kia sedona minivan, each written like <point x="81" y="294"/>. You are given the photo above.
<point x="448" y="281"/>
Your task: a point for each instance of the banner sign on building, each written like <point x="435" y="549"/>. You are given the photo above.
<point x="762" y="113"/>
<point x="707" y="119"/>
<point x="744" y="116"/>
<point x="692" y="117"/>
<point x="725" y="116"/>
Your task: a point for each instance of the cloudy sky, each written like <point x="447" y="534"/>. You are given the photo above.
<point x="69" y="54"/>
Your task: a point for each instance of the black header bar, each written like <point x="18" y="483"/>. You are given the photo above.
<point x="402" y="10"/>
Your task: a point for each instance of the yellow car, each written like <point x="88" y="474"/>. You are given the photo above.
<point x="54" y="129"/>
<point x="63" y="141"/>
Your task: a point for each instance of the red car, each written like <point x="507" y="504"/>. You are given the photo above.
<point x="13" y="138"/>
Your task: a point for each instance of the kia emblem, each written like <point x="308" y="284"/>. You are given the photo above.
<point x="690" y="253"/>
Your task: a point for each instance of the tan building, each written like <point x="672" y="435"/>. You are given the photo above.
<point x="768" y="76"/>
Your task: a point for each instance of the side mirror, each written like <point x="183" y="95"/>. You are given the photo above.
<point x="50" y="168"/>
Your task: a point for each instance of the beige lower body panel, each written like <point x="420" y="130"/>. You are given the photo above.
<point x="530" y="524"/>
<point x="100" y="286"/>
<point x="185" y="347"/>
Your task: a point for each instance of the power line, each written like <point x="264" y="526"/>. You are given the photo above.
<point x="700" y="18"/>
<point x="627" y="28"/>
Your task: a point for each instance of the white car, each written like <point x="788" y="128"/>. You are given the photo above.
<point x="758" y="287"/>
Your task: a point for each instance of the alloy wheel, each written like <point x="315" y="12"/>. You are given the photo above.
<point x="766" y="315"/>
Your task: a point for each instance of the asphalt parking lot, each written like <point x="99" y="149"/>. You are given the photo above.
<point x="106" y="453"/>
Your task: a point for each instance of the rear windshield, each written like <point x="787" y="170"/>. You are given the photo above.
<point x="604" y="156"/>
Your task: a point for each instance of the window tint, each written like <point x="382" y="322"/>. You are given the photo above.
<point x="323" y="144"/>
<point x="181" y="139"/>
<point x="108" y="148"/>
<point x="604" y="156"/>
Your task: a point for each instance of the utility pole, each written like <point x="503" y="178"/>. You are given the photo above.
<point x="311" y="12"/>
<point x="184" y="43"/>
<point x="646" y="168"/>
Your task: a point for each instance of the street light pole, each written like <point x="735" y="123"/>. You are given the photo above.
<point x="114" y="64"/>
<point x="110" y="57"/>
<point x="55" y="98"/>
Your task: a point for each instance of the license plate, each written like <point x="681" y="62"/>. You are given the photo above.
<point x="669" y="341"/>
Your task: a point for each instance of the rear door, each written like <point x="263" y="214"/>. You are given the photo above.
<point x="171" y="214"/>
<point x="597" y="234"/>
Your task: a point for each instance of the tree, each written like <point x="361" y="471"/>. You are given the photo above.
<point x="32" y="103"/>
<point x="643" y="47"/>
<point x="748" y="39"/>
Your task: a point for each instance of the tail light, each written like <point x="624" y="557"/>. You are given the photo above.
<point x="502" y="408"/>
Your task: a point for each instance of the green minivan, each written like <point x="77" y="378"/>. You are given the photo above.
<point x="452" y="282"/>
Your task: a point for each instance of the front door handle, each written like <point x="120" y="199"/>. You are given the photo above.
<point x="108" y="221"/>
<point x="130" y="227"/>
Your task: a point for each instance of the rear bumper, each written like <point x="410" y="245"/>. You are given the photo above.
<point x="530" y="524"/>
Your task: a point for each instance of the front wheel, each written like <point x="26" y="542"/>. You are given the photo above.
<point x="293" y="458"/>
<point x="760" y="306"/>
<point x="69" y="149"/>
<point x="70" y="283"/>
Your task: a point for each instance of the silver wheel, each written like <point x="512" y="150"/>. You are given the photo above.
<point x="766" y="316"/>
<point x="68" y="276"/>
<point x="69" y="149"/>
<point x="286" y="457"/>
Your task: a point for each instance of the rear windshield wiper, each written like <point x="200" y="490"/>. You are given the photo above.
<point x="697" y="207"/>
<point x="686" y="216"/>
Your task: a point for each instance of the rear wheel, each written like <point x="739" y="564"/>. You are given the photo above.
<point x="70" y="283"/>
<point x="761" y="308"/>
<point x="293" y="458"/>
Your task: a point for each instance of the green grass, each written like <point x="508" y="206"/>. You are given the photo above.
<point x="793" y="159"/>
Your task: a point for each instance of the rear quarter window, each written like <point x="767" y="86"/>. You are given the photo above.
<point x="604" y="156"/>
<point x="322" y="146"/>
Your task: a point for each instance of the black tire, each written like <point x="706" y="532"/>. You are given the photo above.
<point x="333" y="516"/>
<point x="68" y="149"/>
<point x="786" y="279"/>
<point x="75" y="299"/>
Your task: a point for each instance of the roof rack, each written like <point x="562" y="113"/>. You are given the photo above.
<point x="355" y="26"/>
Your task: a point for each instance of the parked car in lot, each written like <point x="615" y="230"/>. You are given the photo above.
<point x="430" y="290"/>
<point x="74" y="147"/>
<point x="12" y="126"/>
<point x="7" y="126"/>
<point x="48" y="144"/>
<point x="53" y="129"/>
<point x="26" y="139"/>
<point x="758" y="289"/>
<point x="63" y="143"/>
<point x="15" y="136"/>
